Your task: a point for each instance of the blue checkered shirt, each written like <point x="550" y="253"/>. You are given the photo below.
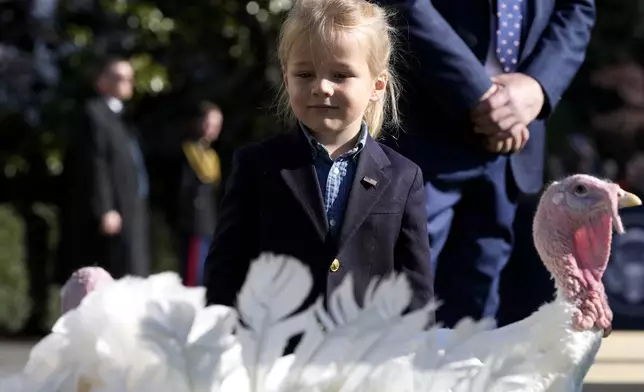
<point x="335" y="177"/>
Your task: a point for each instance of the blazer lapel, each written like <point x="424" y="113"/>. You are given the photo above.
<point x="531" y="38"/>
<point x="369" y="183"/>
<point x="300" y="177"/>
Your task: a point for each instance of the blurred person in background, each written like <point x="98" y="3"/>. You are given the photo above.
<point x="200" y="176"/>
<point x="582" y="156"/>
<point x="105" y="213"/>
<point x="634" y="176"/>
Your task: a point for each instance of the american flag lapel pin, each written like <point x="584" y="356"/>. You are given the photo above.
<point x="369" y="181"/>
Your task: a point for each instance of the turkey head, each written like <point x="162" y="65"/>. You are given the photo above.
<point x="572" y="232"/>
<point x="81" y="283"/>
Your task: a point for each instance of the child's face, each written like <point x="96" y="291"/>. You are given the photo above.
<point x="329" y="90"/>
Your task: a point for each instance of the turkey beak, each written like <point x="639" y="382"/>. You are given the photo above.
<point x="627" y="199"/>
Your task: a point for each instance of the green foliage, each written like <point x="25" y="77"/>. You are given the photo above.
<point x="13" y="286"/>
<point x="14" y="300"/>
<point x="183" y="52"/>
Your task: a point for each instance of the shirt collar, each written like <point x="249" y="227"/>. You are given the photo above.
<point x="316" y="147"/>
<point x="114" y="104"/>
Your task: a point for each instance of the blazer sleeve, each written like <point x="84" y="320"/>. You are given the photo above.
<point x="412" y="253"/>
<point x="440" y="57"/>
<point x="561" y="49"/>
<point x="103" y="190"/>
<point x="234" y="241"/>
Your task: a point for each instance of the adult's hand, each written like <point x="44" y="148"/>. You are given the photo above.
<point x="507" y="142"/>
<point x="503" y="115"/>
<point x="111" y="223"/>
<point x="517" y="102"/>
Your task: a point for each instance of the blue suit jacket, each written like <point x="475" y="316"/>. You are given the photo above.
<point x="448" y="42"/>
<point x="273" y="203"/>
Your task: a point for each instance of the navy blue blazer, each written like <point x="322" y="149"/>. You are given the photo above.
<point x="448" y="42"/>
<point x="273" y="203"/>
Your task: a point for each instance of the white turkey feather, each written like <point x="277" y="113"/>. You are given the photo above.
<point x="140" y="334"/>
<point x="395" y="335"/>
<point x="155" y="335"/>
<point x="105" y="331"/>
<point x="275" y="287"/>
<point x="434" y="367"/>
<point x="165" y="331"/>
<point x="196" y="347"/>
<point x="45" y="364"/>
<point x="213" y="353"/>
<point x="541" y="353"/>
<point x="352" y="341"/>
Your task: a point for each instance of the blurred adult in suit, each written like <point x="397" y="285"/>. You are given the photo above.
<point x="105" y="213"/>
<point x="481" y="78"/>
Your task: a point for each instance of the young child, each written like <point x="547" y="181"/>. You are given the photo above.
<point x="325" y="192"/>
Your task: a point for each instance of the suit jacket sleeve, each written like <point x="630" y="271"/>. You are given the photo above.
<point x="234" y="242"/>
<point x="440" y="57"/>
<point x="561" y="49"/>
<point x="412" y="253"/>
<point x="103" y="190"/>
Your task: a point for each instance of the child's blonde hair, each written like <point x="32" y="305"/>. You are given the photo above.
<point x="322" y="21"/>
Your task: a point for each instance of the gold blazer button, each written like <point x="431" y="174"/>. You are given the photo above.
<point x="335" y="265"/>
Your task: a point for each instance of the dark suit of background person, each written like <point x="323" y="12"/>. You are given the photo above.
<point x="119" y="176"/>
<point x="472" y="192"/>
<point x="78" y="245"/>
<point x="81" y="239"/>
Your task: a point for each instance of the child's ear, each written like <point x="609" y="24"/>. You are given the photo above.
<point x="379" y="87"/>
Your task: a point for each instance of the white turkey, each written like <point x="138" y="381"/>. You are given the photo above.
<point x="154" y="334"/>
<point x="552" y="349"/>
